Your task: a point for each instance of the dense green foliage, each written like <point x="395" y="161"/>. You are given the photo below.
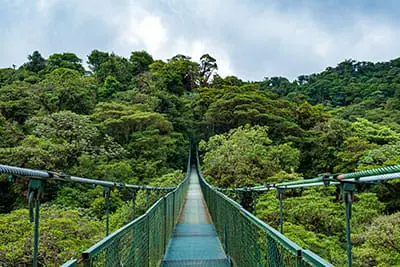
<point x="65" y="232"/>
<point x="130" y="119"/>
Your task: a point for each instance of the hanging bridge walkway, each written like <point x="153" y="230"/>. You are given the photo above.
<point x="194" y="241"/>
<point x="196" y="224"/>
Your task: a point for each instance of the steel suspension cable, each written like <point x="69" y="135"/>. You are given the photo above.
<point x="59" y="176"/>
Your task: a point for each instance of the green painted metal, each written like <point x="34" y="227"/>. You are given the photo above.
<point x="35" y="190"/>
<point x="348" y="190"/>
<point x="57" y="176"/>
<point x="194" y="241"/>
<point x="280" y="198"/>
<point x="134" y="193"/>
<point x="36" y="232"/>
<point x="254" y="196"/>
<point x="249" y="241"/>
<point x="70" y="263"/>
<point x="147" y="199"/>
<point x="378" y="171"/>
<point x="327" y="179"/>
<point x="300" y="182"/>
<point x="107" y="193"/>
<point x="347" y="183"/>
<point x="312" y="259"/>
<point x="165" y="218"/>
<point x="143" y="241"/>
<point x="348" y="229"/>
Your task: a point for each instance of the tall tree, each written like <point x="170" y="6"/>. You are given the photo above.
<point x="36" y="62"/>
<point x="66" y="89"/>
<point x="116" y="66"/>
<point x="65" y="60"/>
<point x="177" y="76"/>
<point x="141" y="61"/>
<point x="96" y="58"/>
<point x="208" y="65"/>
<point x="245" y="156"/>
<point x="18" y="101"/>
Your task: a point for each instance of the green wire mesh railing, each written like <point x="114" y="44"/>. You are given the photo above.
<point x="143" y="241"/>
<point x="346" y="182"/>
<point x="249" y="241"/>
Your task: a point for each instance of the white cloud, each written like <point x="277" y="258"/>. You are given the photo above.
<point x="148" y="32"/>
<point x="377" y="41"/>
<point x="152" y="33"/>
<point x="250" y="39"/>
<point x="44" y="6"/>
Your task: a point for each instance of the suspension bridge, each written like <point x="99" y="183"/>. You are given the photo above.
<point x="196" y="224"/>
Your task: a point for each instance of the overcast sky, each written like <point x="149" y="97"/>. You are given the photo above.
<point x="249" y="39"/>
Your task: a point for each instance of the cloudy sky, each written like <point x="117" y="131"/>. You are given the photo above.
<point x="251" y="39"/>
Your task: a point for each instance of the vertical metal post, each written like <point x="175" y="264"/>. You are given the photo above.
<point x="148" y="239"/>
<point x="299" y="258"/>
<point x="240" y="197"/>
<point x="107" y="205"/>
<point x="348" y="195"/>
<point x="134" y="203"/>
<point x="35" y="190"/>
<point x="147" y="199"/>
<point x="348" y="230"/>
<point x="280" y="198"/>
<point x="254" y="195"/>
<point x="87" y="261"/>
<point x="165" y="223"/>
<point x="225" y="239"/>
<point x="36" y="231"/>
<point x="173" y="209"/>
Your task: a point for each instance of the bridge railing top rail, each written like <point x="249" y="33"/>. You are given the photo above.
<point x="366" y="176"/>
<point x="36" y="190"/>
<point x="59" y="176"/>
<point x="262" y="225"/>
<point x="305" y="256"/>
<point x="107" y="246"/>
<point x="101" y="244"/>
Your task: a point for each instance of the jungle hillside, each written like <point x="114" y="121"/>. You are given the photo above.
<point x="130" y="120"/>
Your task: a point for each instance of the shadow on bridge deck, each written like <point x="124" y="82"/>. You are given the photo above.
<point x="195" y="242"/>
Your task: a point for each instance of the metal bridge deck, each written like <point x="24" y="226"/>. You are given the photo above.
<point x="195" y="242"/>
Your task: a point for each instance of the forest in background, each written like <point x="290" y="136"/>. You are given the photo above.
<point x="130" y="119"/>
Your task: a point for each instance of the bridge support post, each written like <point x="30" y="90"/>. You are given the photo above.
<point x="348" y="190"/>
<point x="254" y="195"/>
<point x="226" y="240"/>
<point x="280" y="198"/>
<point x="86" y="260"/>
<point x="134" y="203"/>
<point x="246" y="199"/>
<point x="107" y="205"/>
<point x="147" y="199"/>
<point x="165" y="223"/>
<point x="240" y="197"/>
<point x="173" y="209"/>
<point x="148" y="240"/>
<point x="35" y="191"/>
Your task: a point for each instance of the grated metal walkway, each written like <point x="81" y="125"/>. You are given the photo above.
<point x="195" y="242"/>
